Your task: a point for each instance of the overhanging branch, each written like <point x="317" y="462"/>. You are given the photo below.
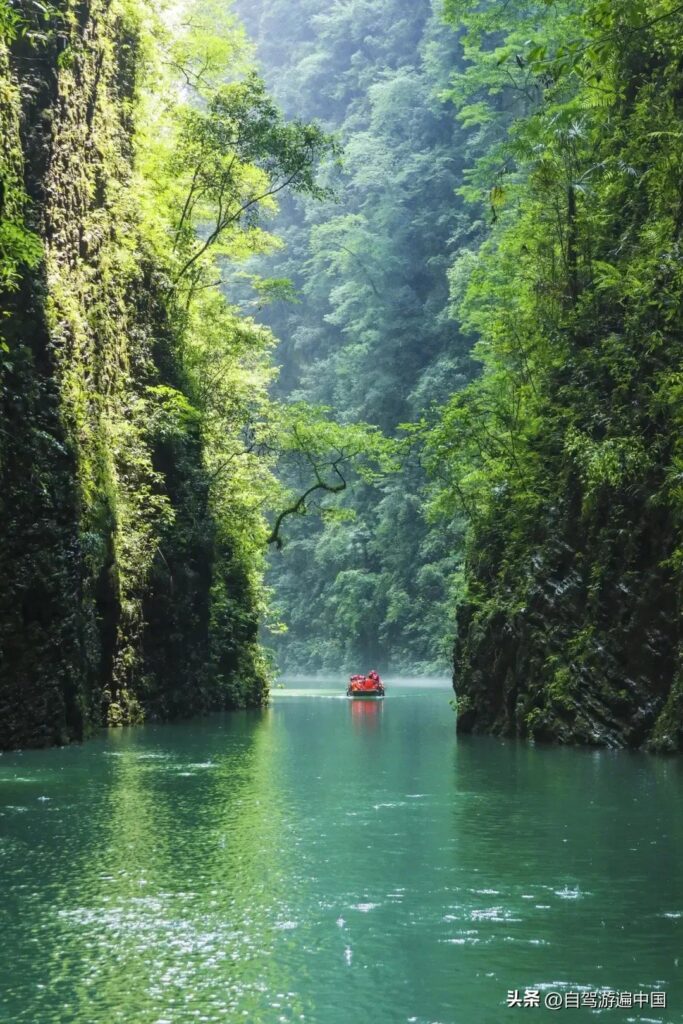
<point x="300" y="504"/>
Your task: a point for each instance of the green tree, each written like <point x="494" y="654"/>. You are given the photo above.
<point x="369" y="337"/>
<point x="563" y="452"/>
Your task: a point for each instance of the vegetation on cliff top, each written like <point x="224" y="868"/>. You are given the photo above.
<point x="565" y="453"/>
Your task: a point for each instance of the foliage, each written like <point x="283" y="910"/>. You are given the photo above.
<point x="20" y="248"/>
<point x="563" y="452"/>
<point x="320" y="454"/>
<point x="133" y="499"/>
<point x="369" y="337"/>
<point x="230" y="159"/>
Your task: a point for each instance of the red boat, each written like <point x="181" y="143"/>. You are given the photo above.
<point x="369" y="687"/>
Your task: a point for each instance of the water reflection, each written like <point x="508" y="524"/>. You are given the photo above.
<point x="366" y="714"/>
<point x="183" y="893"/>
<point x="330" y="861"/>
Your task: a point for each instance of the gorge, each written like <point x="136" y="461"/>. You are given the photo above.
<point x="476" y="321"/>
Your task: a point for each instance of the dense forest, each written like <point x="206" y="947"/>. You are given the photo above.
<point x="532" y="159"/>
<point x="369" y="333"/>
<point x="385" y="296"/>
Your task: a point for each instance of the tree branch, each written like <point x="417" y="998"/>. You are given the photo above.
<point x="300" y="504"/>
<point x="224" y="222"/>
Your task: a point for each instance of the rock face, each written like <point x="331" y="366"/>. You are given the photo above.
<point x="107" y="532"/>
<point x="570" y="624"/>
<point x="589" y="649"/>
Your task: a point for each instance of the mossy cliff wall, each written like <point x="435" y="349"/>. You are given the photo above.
<point x="119" y="597"/>
<point x="571" y="621"/>
<point x="579" y="640"/>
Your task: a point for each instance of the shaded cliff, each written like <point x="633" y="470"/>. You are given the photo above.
<point x="122" y="595"/>
<point x="579" y="639"/>
<point x="566" y="453"/>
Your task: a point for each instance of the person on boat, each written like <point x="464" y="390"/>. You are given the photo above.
<point x="356" y="683"/>
<point x="376" y="681"/>
<point x="370" y="683"/>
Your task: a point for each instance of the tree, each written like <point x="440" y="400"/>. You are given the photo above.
<point x="322" y="454"/>
<point x="231" y="159"/>
<point x="370" y="337"/>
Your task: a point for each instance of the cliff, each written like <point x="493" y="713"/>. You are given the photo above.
<point x="121" y="594"/>
<point x="578" y="640"/>
<point x="566" y="452"/>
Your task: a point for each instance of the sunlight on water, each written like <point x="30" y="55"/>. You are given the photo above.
<point x="333" y="861"/>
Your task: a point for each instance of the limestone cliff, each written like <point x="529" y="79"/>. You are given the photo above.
<point x="119" y="599"/>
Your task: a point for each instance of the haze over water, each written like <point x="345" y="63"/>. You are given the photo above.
<point x="334" y="862"/>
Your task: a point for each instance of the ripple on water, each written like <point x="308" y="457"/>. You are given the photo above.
<point x="279" y="886"/>
<point x="493" y="914"/>
<point x="570" y="894"/>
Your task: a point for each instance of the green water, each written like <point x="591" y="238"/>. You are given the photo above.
<point x="335" y="863"/>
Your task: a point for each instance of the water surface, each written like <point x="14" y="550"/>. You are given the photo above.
<point x="334" y="862"/>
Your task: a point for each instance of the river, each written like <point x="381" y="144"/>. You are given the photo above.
<point x="336" y="863"/>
